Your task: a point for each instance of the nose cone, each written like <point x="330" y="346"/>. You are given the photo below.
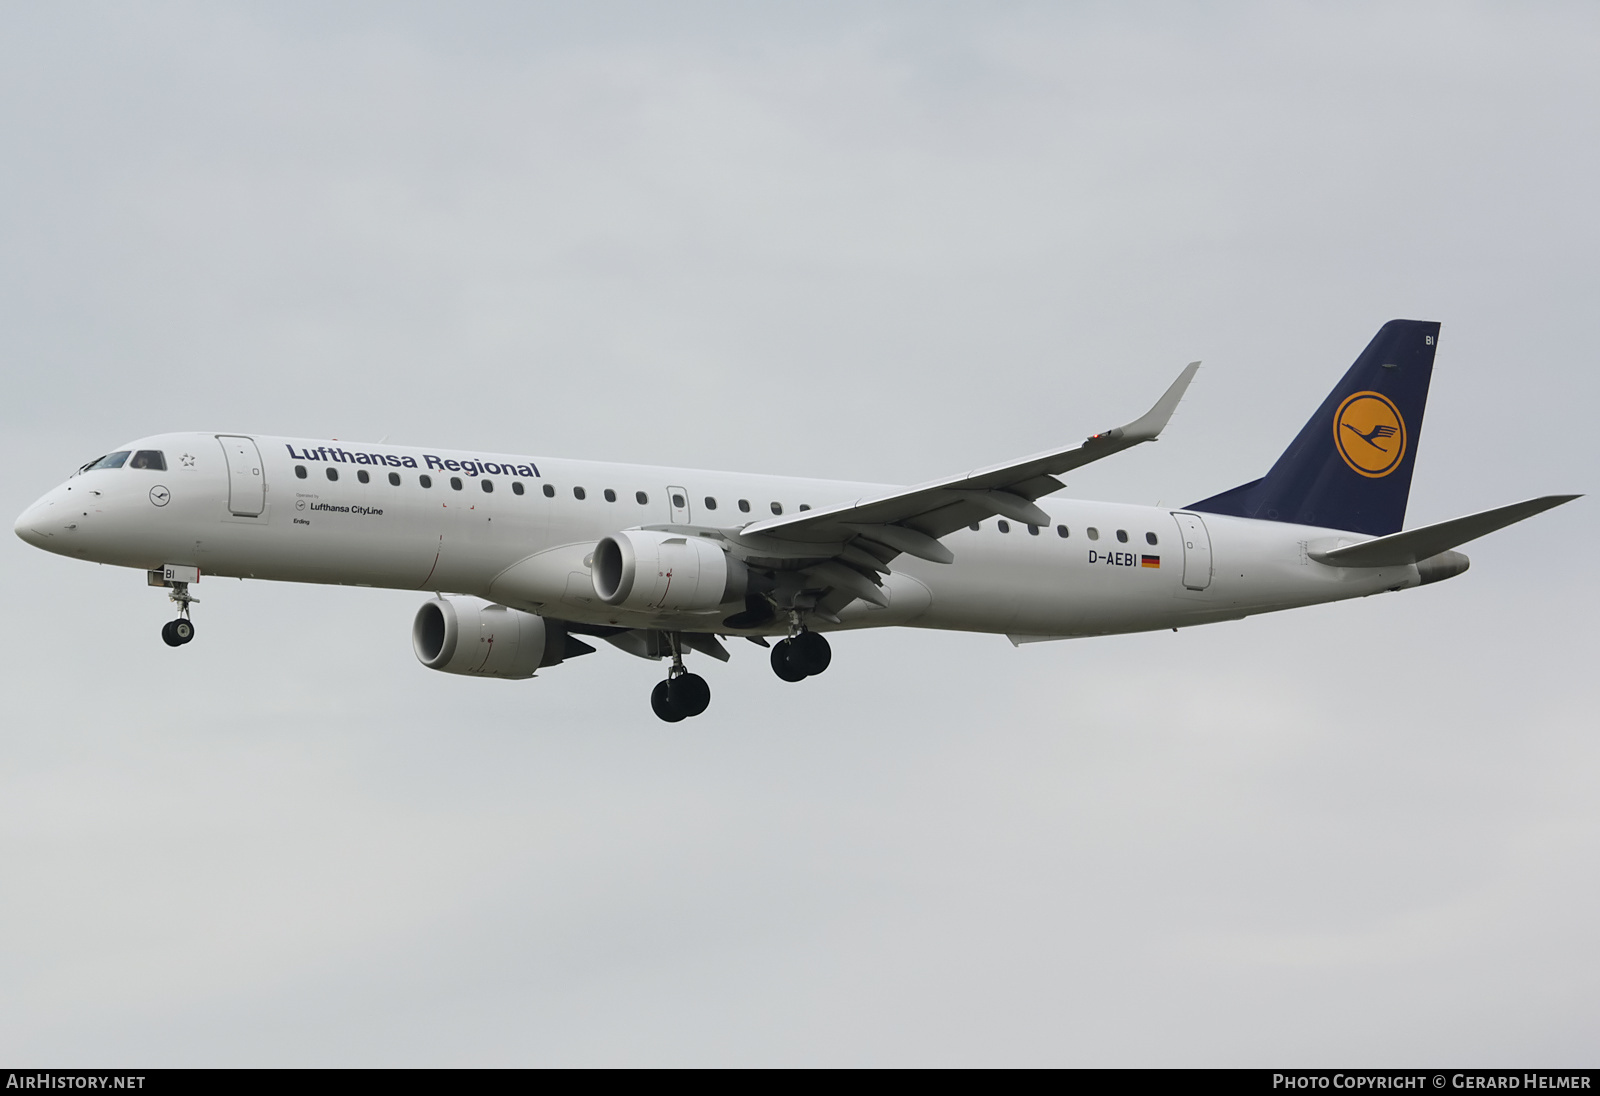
<point x="31" y="526"/>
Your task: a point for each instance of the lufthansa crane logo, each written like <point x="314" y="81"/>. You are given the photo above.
<point x="1370" y="434"/>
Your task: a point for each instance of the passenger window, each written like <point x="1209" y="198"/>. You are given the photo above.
<point x="777" y="508"/>
<point x="1061" y="531"/>
<point x="1033" y="530"/>
<point x="1005" y="526"/>
<point x="300" y="471"/>
<point x="1149" y="538"/>
<point x="455" y="483"/>
<point x="579" y="493"/>
<point x="641" y="498"/>
<point x="516" y="487"/>
<point x="1122" y="536"/>
<point x="149" y="458"/>
<point x="425" y="479"/>
<point x="974" y="527"/>
<point x="361" y="474"/>
<point x="611" y="496"/>
<point x="488" y="486"/>
<point x="394" y="479"/>
<point x="677" y="502"/>
<point x="805" y="506"/>
<point x="110" y="460"/>
<point x="744" y="506"/>
<point x="333" y="473"/>
<point x="1094" y="534"/>
<point x="711" y="503"/>
<point x="549" y="491"/>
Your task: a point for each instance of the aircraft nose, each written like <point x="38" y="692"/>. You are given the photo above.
<point x="30" y="525"/>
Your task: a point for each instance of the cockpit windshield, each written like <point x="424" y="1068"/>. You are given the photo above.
<point x="110" y="460"/>
<point x="149" y="458"/>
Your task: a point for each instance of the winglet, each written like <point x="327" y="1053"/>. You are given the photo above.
<point x="1149" y="425"/>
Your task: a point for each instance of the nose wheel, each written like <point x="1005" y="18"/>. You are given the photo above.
<point x="683" y="694"/>
<point x="177" y="632"/>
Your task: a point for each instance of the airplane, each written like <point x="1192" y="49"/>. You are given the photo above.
<point x="526" y="555"/>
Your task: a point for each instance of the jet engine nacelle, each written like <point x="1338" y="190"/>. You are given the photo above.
<point x="468" y="636"/>
<point x="650" y="571"/>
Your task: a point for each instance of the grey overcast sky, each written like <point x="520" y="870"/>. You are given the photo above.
<point x="875" y="241"/>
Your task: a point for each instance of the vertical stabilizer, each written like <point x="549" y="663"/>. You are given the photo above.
<point x="1350" y="467"/>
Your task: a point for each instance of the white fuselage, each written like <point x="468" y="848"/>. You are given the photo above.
<point x="1099" y="568"/>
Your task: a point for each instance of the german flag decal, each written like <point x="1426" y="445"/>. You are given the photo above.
<point x="1149" y="561"/>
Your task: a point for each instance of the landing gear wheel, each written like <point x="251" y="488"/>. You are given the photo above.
<point x="783" y="665"/>
<point x="183" y="629"/>
<point x="167" y="637"/>
<point x="810" y="652"/>
<point x="661" y="702"/>
<point x="689" y="694"/>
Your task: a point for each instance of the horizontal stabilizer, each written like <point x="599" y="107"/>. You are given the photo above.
<point x="1398" y="549"/>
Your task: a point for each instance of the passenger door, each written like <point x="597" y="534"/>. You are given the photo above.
<point x="247" y="481"/>
<point x="1196" y="551"/>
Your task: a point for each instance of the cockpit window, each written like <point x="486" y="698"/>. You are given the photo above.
<point x="153" y="459"/>
<point x="110" y="460"/>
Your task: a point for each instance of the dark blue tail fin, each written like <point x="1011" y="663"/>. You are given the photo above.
<point x="1350" y="466"/>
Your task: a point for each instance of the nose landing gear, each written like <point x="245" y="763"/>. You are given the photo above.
<point x="175" y="633"/>
<point x="683" y="694"/>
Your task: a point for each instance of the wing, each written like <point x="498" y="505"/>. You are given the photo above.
<point x="842" y="550"/>
<point x="932" y="510"/>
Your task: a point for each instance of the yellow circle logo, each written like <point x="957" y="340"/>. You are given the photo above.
<point x="1370" y="434"/>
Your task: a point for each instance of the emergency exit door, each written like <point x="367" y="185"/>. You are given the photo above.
<point x="678" y="501"/>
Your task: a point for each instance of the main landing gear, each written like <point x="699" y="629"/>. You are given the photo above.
<point x="176" y="633"/>
<point x="683" y="694"/>
<point x="804" y="655"/>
